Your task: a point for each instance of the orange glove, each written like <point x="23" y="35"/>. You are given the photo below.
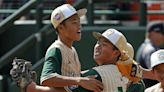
<point x="130" y="69"/>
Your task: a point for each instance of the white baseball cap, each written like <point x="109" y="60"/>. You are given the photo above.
<point x="157" y="58"/>
<point x="115" y="37"/>
<point x="63" y="12"/>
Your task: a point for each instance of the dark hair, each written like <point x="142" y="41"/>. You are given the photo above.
<point x="115" y="48"/>
<point x="62" y="23"/>
<point x="156" y="26"/>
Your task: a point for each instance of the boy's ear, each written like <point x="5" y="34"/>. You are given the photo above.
<point x="117" y="52"/>
<point x="59" y="27"/>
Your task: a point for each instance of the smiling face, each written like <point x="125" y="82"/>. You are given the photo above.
<point x="159" y="73"/>
<point x="70" y="28"/>
<point x="105" y="52"/>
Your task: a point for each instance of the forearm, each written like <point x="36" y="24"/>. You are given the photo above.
<point x="148" y="75"/>
<point x="61" y="81"/>
<point x="85" y="82"/>
<point x="33" y="87"/>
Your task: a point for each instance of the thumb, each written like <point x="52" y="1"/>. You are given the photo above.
<point x="33" y="75"/>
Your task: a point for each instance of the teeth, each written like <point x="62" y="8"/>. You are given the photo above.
<point x="97" y="53"/>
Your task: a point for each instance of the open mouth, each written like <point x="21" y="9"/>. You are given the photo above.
<point x="79" y="32"/>
<point x="97" y="53"/>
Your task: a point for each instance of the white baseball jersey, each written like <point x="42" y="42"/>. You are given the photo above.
<point x="155" y="88"/>
<point x="112" y="79"/>
<point x="70" y="65"/>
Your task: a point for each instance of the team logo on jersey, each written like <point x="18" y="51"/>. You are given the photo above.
<point x="72" y="87"/>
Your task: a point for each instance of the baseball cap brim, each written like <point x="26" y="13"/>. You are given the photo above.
<point x="81" y="12"/>
<point x="98" y="35"/>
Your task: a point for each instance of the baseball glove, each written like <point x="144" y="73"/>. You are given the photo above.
<point x="131" y="70"/>
<point x="22" y="73"/>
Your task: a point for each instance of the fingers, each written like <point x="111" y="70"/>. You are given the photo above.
<point x="91" y="83"/>
<point x="98" y="85"/>
<point x="97" y="90"/>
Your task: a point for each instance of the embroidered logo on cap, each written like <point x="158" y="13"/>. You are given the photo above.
<point x="161" y="56"/>
<point x="109" y="32"/>
<point x="57" y="16"/>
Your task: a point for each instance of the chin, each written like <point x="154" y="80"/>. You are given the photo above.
<point x="78" y="39"/>
<point x="97" y="61"/>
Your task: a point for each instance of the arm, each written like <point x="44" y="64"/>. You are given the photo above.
<point x="148" y="75"/>
<point x="33" y="87"/>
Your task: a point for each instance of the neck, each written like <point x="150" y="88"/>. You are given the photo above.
<point x="66" y="41"/>
<point x="162" y="86"/>
<point x="108" y="63"/>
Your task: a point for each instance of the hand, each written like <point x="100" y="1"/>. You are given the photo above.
<point x="91" y="83"/>
<point x="22" y="73"/>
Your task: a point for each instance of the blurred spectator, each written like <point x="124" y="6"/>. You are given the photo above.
<point x="153" y="42"/>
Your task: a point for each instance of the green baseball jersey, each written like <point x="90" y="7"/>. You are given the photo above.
<point x="60" y="60"/>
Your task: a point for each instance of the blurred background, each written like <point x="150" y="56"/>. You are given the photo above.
<point x="26" y="31"/>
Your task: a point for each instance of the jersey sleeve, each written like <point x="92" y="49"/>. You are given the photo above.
<point x="88" y="73"/>
<point x="52" y="64"/>
<point x="137" y="87"/>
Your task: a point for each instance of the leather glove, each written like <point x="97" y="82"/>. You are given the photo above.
<point x="22" y="73"/>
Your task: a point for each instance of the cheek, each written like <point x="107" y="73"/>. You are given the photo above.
<point x="106" y="54"/>
<point x="158" y="76"/>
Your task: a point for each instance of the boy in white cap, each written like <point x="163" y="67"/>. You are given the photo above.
<point x="62" y="67"/>
<point x="157" y="65"/>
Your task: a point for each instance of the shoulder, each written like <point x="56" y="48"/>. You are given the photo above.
<point x="102" y="68"/>
<point x="149" y="46"/>
<point x="110" y="71"/>
<point x="53" y="52"/>
<point x="148" y="49"/>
